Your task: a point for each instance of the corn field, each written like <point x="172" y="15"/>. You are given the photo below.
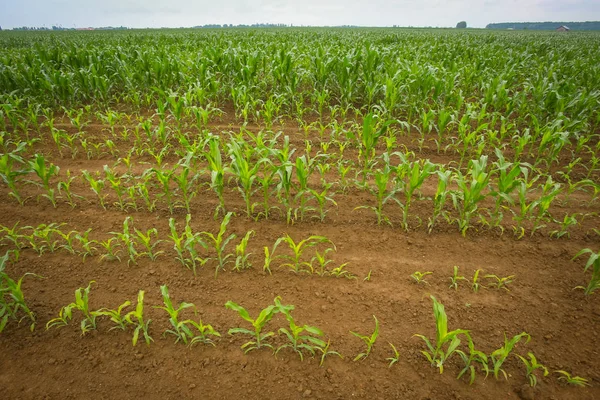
<point x="355" y="176"/>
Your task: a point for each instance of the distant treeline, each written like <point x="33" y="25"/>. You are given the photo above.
<point x="547" y="26"/>
<point x="212" y="26"/>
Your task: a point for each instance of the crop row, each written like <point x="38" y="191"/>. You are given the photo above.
<point x="299" y="338"/>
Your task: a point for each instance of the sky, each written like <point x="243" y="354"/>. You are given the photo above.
<point x="181" y="13"/>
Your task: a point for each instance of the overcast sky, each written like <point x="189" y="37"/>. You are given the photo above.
<point x="177" y="13"/>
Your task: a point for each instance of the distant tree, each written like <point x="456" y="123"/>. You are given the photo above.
<point x="461" y="25"/>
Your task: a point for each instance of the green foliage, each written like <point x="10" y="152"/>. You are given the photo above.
<point x="368" y="340"/>
<point x="446" y="342"/>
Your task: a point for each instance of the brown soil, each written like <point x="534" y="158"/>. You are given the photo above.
<point x="61" y="364"/>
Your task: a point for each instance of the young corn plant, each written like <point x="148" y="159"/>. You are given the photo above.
<point x="383" y="194"/>
<point x="10" y="172"/>
<point x="258" y="324"/>
<point x="164" y="177"/>
<point x="217" y="171"/>
<point x="185" y="184"/>
<point x="205" y="331"/>
<point x="128" y="240"/>
<point x="326" y="352"/>
<point x="419" y="277"/>
<point x="471" y="192"/>
<point x="500" y="355"/>
<point x="116" y="316"/>
<point x="45" y="170"/>
<point x="475" y="285"/>
<point x="118" y="186"/>
<point x="446" y="343"/>
<point x="136" y="318"/>
<point x="245" y="169"/>
<point x="572" y="380"/>
<point x="81" y="304"/>
<point x="64" y="187"/>
<point x="301" y="337"/>
<point x="185" y="245"/>
<point x="416" y="174"/>
<point x="270" y="257"/>
<point x="220" y="242"/>
<point x="393" y="360"/>
<point x="500" y="282"/>
<point x="242" y="256"/>
<point x="178" y="329"/>
<point x="112" y="249"/>
<point x="368" y="340"/>
<point x="341" y="272"/>
<point x="12" y="299"/>
<point x="475" y="357"/>
<point x="87" y="244"/>
<point x="149" y="246"/>
<point x="440" y="197"/>
<point x="593" y="262"/>
<point x="97" y="185"/>
<point x="368" y="140"/>
<point x="531" y="366"/>
<point x="318" y="264"/>
<point x="295" y="260"/>
<point x="456" y="278"/>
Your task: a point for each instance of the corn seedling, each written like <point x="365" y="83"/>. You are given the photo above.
<point x="146" y="242"/>
<point x="258" y="325"/>
<point x="219" y="242"/>
<point x="246" y="171"/>
<point x="116" y="316"/>
<point x="87" y="245"/>
<point x="340" y="272"/>
<point x="178" y="329"/>
<point x="97" y="185"/>
<point x="500" y="282"/>
<point x="382" y="194"/>
<point x="12" y="299"/>
<point x="419" y="277"/>
<point x="368" y="340"/>
<point x="112" y="249"/>
<point x="10" y="173"/>
<point x="241" y="260"/>
<point x="64" y="187"/>
<point x="217" y="171"/>
<point x="45" y="171"/>
<point x="81" y="304"/>
<point x="572" y="380"/>
<point x="295" y="263"/>
<point x="136" y="318"/>
<point x="436" y="353"/>
<point x="393" y="360"/>
<point x="270" y="256"/>
<point x="593" y="262"/>
<point x="500" y="355"/>
<point x="301" y="337"/>
<point x="185" y="245"/>
<point x="325" y="352"/>
<point x="475" y="357"/>
<point x="531" y="365"/>
<point x="455" y="279"/>
<point x="471" y="191"/>
<point x="128" y="240"/>
<point x="475" y="282"/>
<point x="318" y="264"/>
